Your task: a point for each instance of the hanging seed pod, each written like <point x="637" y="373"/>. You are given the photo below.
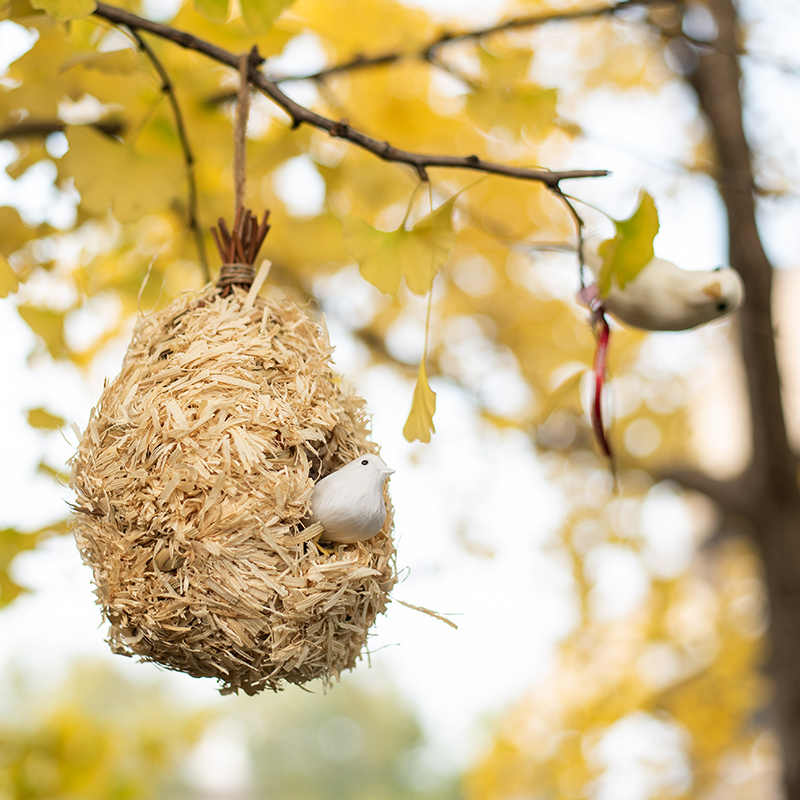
<point x="194" y="479"/>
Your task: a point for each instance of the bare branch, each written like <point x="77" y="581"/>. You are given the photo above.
<point x="31" y="128"/>
<point x="579" y="227"/>
<point x="168" y="89"/>
<point x="429" y="52"/>
<point x="301" y="115"/>
<point x="733" y="496"/>
<point x="535" y="20"/>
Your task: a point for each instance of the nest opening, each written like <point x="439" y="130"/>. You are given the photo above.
<point x="193" y="481"/>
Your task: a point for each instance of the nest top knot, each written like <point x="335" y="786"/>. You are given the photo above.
<point x="239" y="248"/>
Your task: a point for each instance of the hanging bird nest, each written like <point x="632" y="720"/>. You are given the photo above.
<point x="194" y="480"/>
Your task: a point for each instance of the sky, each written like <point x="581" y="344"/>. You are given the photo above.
<point x="494" y="569"/>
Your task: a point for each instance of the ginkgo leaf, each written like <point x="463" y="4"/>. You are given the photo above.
<point x="115" y="62"/>
<point x="419" y="424"/>
<point x="9" y="282"/>
<point x="112" y="174"/>
<point x="47" y="324"/>
<point x="506" y="67"/>
<point x="58" y="475"/>
<point x="12" y="543"/>
<point x="560" y="394"/>
<point x="386" y="257"/>
<point x="631" y="249"/>
<point x="41" y="418"/>
<point x="261" y="14"/>
<point x="18" y="9"/>
<point x="530" y="109"/>
<point x="216" y="10"/>
<point x="66" y="9"/>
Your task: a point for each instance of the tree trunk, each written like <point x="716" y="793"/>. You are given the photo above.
<point x="770" y="481"/>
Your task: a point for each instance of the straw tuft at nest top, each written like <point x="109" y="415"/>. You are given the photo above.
<point x="194" y="479"/>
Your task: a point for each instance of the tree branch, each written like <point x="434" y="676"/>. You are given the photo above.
<point x="188" y="158"/>
<point x="340" y="129"/>
<point x="732" y="496"/>
<point x="30" y="128"/>
<point x="535" y="20"/>
<point x="428" y="52"/>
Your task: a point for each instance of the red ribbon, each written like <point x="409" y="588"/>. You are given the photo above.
<point x="603" y="333"/>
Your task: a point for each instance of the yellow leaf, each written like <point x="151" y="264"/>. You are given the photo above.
<point x="386" y="257"/>
<point x="9" y="282"/>
<point x="419" y="424"/>
<point x="12" y="543"/>
<point x="18" y="9"/>
<point x="115" y="62"/>
<point x="66" y="9"/>
<point x="47" y="324"/>
<point x="41" y="418"/>
<point x="111" y="174"/>
<point x="631" y="249"/>
<point x="530" y="109"/>
<point x="58" y="475"/>
<point x="506" y="67"/>
<point x="557" y="399"/>
<point x="216" y="10"/>
<point x="14" y="233"/>
<point x="261" y="14"/>
<point x="346" y="25"/>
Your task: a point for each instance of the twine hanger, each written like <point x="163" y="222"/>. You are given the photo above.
<point x="239" y="246"/>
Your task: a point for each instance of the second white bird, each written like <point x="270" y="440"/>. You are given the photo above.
<point x="664" y="297"/>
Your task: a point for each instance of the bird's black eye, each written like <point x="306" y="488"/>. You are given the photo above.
<point x="722" y="305"/>
<point x="364" y="463"/>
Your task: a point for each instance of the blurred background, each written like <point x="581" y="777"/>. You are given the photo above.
<point x="612" y="643"/>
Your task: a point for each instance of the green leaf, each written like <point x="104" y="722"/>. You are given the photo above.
<point x="629" y="252"/>
<point x="419" y="424"/>
<point x="261" y="14"/>
<point x="66" y="9"/>
<point x="44" y="420"/>
<point x="385" y="258"/>
<point x="47" y="324"/>
<point x="9" y="282"/>
<point x="216" y="10"/>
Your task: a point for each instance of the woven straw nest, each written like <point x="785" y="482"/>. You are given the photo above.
<point x="193" y="482"/>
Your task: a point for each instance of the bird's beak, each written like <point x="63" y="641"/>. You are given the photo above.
<point x="388" y="472"/>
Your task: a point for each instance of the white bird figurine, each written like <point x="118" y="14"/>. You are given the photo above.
<point x="349" y="503"/>
<point x="664" y="297"/>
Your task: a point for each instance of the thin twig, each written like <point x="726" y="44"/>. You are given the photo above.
<point x="301" y="115"/>
<point x="240" y="134"/>
<point x="428" y="51"/>
<point x="29" y="128"/>
<point x="579" y="225"/>
<point x="169" y="90"/>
